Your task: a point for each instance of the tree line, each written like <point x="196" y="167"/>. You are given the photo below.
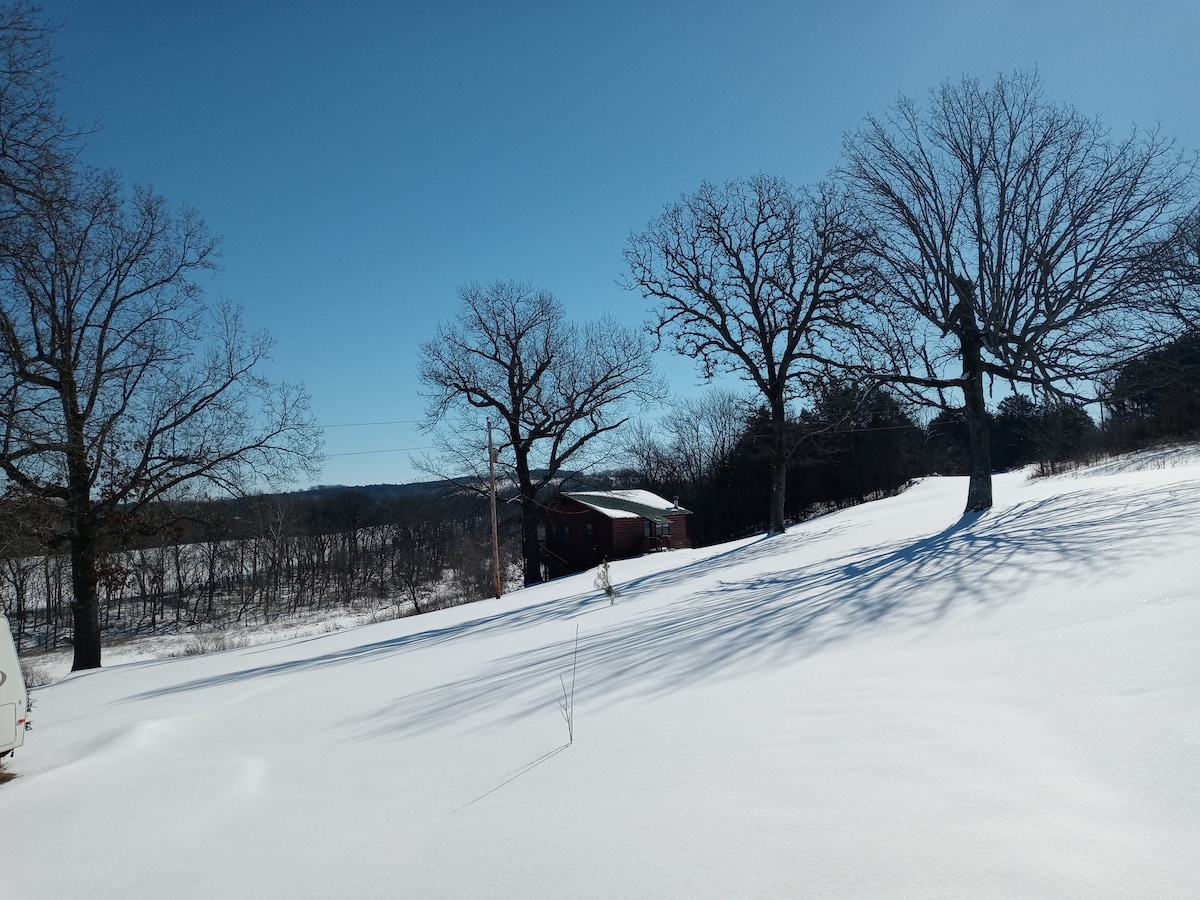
<point x="381" y="552"/>
<point x="854" y="443"/>
<point x="390" y="551"/>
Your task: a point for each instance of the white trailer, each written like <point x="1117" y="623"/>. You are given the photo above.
<point x="14" y="703"/>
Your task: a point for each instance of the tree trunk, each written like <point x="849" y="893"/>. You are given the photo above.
<point x="82" y="540"/>
<point x="531" y="547"/>
<point x="779" y="461"/>
<point x="85" y="607"/>
<point x="979" y="488"/>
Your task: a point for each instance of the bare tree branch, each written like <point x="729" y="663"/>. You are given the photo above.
<point x="1010" y="237"/>
<point x="118" y="385"/>
<point x="556" y="389"/>
<point x="752" y="278"/>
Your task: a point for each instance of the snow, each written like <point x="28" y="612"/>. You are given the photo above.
<point x="624" y="504"/>
<point x="893" y="701"/>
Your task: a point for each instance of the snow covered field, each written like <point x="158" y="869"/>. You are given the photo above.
<point x="893" y="701"/>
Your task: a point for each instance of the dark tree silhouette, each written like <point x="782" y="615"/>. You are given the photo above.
<point x="1156" y="396"/>
<point x="118" y="386"/>
<point x="1010" y="240"/>
<point x="750" y="278"/>
<point x="554" y="388"/>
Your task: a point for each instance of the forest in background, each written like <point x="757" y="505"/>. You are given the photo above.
<point x="392" y="550"/>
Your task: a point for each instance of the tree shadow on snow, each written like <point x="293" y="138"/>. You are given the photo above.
<point x="745" y="619"/>
<point x="978" y="561"/>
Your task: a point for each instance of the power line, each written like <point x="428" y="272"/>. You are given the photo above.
<point x="393" y="450"/>
<point x="367" y="424"/>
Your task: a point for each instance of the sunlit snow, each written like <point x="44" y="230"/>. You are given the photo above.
<point x="892" y="701"/>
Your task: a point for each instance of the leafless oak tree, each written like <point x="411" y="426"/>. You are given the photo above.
<point x="1175" y="270"/>
<point x="36" y="146"/>
<point x="555" y="388"/>
<point x="118" y="385"/>
<point x="1009" y="240"/>
<point x="751" y="278"/>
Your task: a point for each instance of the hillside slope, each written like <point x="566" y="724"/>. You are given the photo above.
<point x="892" y="701"/>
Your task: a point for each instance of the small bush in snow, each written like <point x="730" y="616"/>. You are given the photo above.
<point x="34" y="674"/>
<point x="604" y="583"/>
<point x="212" y="642"/>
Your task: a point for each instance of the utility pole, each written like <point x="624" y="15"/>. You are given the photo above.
<point x="492" y="491"/>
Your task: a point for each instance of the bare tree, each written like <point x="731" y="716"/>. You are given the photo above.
<point x="691" y="441"/>
<point x="1174" y="268"/>
<point x="555" y="388"/>
<point x="751" y="278"/>
<point x="117" y="384"/>
<point x="36" y="146"/>
<point x="1009" y="240"/>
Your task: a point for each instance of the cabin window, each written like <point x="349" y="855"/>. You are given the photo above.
<point x="652" y="529"/>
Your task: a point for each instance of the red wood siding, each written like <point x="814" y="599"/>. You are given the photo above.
<point x="578" y="537"/>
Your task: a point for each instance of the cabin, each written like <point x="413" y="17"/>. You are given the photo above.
<point x="582" y="529"/>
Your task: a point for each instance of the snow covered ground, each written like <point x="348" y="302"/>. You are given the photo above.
<point x="893" y="701"/>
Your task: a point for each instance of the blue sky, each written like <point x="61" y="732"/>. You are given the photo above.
<point x="362" y="160"/>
